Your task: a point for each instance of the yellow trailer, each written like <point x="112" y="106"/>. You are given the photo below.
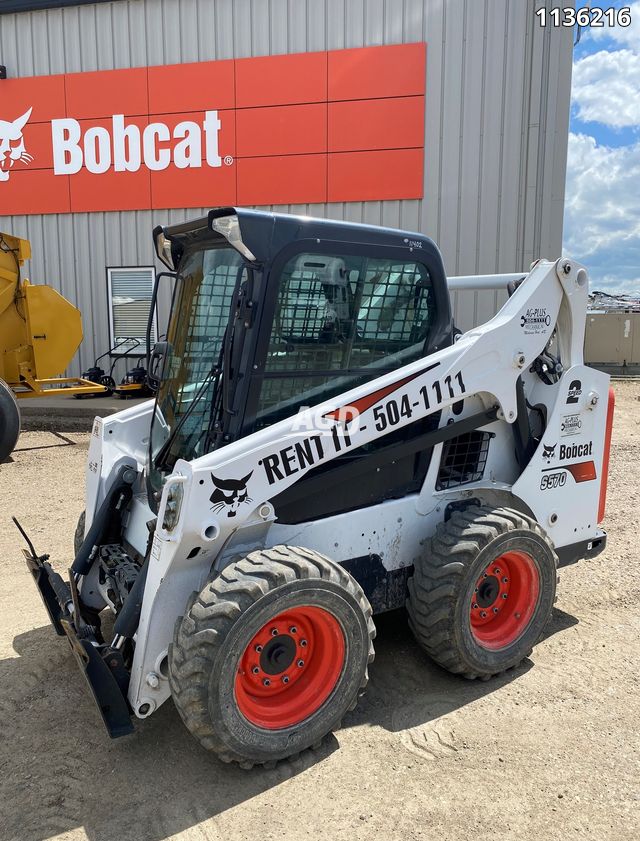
<point x="40" y="331"/>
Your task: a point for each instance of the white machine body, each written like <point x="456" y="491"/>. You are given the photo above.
<point x="200" y="527"/>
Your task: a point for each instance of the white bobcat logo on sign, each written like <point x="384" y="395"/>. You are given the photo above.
<point x="12" y="146"/>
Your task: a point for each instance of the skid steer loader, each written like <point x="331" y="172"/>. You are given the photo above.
<point x="324" y="446"/>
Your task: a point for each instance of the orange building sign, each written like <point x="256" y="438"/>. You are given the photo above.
<point x="344" y="125"/>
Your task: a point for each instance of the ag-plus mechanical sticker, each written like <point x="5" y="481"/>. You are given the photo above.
<point x="344" y="125"/>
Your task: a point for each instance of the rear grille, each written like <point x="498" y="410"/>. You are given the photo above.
<point x="463" y="460"/>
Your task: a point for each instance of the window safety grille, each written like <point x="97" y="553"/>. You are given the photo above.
<point x="463" y="459"/>
<point x="339" y="322"/>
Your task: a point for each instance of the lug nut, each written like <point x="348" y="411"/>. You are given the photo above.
<point x="274" y="632"/>
<point x="483" y="615"/>
<point x="496" y="571"/>
<point x="255" y="670"/>
<point x="476" y="590"/>
<point x="505" y="580"/>
<point x="495" y="610"/>
<point x="300" y="663"/>
<point x="484" y="575"/>
<point x="303" y="643"/>
<point x="475" y="605"/>
<point x="266" y="682"/>
<point x="258" y="648"/>
<point x="504" y="596"/>
<point x="285" y="679"/>
<point x="293" y="630"/>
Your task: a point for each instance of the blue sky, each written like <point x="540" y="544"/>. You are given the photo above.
<point x="602" y="203"/>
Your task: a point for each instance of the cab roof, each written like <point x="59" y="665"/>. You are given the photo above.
<point x="265" y="233"/>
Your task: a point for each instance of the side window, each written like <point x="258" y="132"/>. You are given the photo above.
<point x="129" y="293"/>
<point x="339" y="321"/>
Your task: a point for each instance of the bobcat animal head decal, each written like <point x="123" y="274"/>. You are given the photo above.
<point x="548" y="452"/>
<point x="229" y="494"/>
<point x="12" y="146"/>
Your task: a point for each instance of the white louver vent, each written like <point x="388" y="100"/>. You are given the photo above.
<point x="130" y="291"/>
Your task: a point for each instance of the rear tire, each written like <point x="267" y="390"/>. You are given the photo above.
<point x="483" y="593"/>
<point x="9" y="421"/>
<point x="270" y="655"/>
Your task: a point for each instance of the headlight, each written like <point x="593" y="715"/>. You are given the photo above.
<point x="163" y="248"/>
<point x="173" y="506"/>
<point x="229" y="227"/>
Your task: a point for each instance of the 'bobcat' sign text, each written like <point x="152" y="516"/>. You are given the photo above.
<point x="127" y="147"/>
<point x="343" y="125"/>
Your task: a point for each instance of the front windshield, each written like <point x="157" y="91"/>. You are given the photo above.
<point x="199" y="317"/>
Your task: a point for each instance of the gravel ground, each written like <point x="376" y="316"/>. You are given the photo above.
<point x="550" y="751"/>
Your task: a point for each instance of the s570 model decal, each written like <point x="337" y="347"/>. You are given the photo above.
<point x="552" y="480"/>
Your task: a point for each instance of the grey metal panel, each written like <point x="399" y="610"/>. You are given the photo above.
<point x="496" y="124"/>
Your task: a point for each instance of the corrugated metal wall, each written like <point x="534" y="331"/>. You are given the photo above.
<point x="497" y="111"/>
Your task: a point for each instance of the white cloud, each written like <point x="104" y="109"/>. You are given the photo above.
<point x="602" y="212"/>
<point x="628" y="36"/>
<point x="606" y="87"/>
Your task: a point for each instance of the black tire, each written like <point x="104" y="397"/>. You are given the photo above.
<point x="219" y="625"/>
<point x="9" y="421"/>
<point x="78" y="537"/>
<point x="443" y="597"/>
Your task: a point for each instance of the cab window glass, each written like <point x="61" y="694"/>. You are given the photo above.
<point x="340" y="321"/>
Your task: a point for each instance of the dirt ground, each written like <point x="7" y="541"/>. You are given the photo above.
<point x="551" y="751"/>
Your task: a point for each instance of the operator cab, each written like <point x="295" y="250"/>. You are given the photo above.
<point x="272" y="313"/>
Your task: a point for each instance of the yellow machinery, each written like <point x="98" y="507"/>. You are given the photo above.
<point x="40" y="332"/>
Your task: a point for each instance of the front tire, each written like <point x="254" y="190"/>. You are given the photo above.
<point x="78" y="537"/>
<point x="270" y="655"/>
<point x="483" y="593"/>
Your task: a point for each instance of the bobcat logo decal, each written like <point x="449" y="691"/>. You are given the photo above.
<point x="12" y="146"/>
<point x="229" y="494"/>
<point x="548" y="452"/>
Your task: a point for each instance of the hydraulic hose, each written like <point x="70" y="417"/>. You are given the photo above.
<point x="108" y="519"/>
<point x="127" y="622"/>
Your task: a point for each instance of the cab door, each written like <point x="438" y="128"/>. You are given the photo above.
<point x="338" y="319"/>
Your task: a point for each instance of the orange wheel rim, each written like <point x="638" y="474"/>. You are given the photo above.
<point x="504" y="600"/>
<point x="290" y="667"/>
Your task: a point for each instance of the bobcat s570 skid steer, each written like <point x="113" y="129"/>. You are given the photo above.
<point x="324" y="446"/>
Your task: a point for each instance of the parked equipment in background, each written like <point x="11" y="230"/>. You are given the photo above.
<point x="97" y="374"/>
<point x="324" y="446"/>
<point x="134" y="382"/>
<point x="40" y="332"/>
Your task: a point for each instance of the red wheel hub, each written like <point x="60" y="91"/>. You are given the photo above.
<point x="504" y="600"/>
<point x="290" y="667"/>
